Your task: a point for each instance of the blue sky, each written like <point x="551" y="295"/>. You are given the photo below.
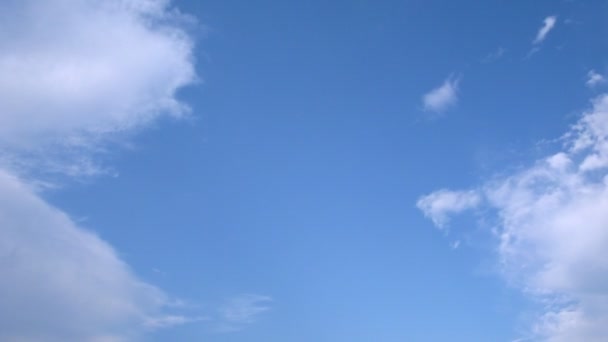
<point x="317" y="171"/>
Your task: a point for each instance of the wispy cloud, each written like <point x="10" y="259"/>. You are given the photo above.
<point x="548" y="25"/>
<point x="551" y="227"/>
<point x="242" y="310"/>
<point x="168" y="321"/>
<point x="494" y="55"/>
<point x="443" y="97"/>
<point x="73" y="75"/>
<point x="594" y="79"/>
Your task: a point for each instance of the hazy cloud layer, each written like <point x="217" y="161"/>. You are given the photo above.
<point x="242" y="310"/>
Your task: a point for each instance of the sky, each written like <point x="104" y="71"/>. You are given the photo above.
<point x="226" y="171"/>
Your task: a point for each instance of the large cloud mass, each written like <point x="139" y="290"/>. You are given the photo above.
<point x="553" y="230"/>
<point x="59" y="282"/>
<point x="88" y="67"/>
<point x="73" y="72"/>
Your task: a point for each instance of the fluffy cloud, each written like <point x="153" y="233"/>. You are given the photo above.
<point x="443" y="97"/>
<point x="552" y="230"/>
<point x="548" y="25"/>
<point x="439" y="205"/>
<point x="594" y="79"/>
<point x="73" y="73"/>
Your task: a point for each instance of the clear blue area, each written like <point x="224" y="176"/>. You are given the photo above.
<point x="297" y="176"/>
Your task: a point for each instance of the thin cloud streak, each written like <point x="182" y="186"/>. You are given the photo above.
<point x="548" y="25"/>
<point x="242" y="310"/>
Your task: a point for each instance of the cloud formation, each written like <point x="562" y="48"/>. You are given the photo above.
<point x="438" y="206"/>
<point x="243" y="310"/>
<point x="552" y="230"/>
<point x="60" y="282"/>
<point x="548" y="25"/>
<point x="443" y="97"/>
<point x="495" y="55"/>
<point x="594" y="79"/>
<point x="72" y="74"/>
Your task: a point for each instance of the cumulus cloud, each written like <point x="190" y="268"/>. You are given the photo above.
<point x="72" y="74"/>
<point x="443" y="97"/>
<point x="594" y="79"/>
<point x="74" y="71"/>
<point x="548" y="25"/>
<point x="438" y="206"/>
<point x="552" y="230"/>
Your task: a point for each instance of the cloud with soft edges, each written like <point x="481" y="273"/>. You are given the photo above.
<point x="241" y="311"/>
<point x="439" y="205"/>
<point x="74" y="74"/>
<point x="548" y="25"/>
<point x="442" y="98"/>
<point x="552" y="230"/>
<point x="594" y="79"/>
<point x="61" y="282"/>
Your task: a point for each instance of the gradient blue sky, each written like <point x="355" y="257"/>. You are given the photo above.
<point x="283" y="207"/>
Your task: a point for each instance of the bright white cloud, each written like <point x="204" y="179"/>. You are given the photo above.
<point x="553" y="231"/>
<point x="73" y="73"/>
<point x="443" y="97"/>
<point x="439" y="205"/>
<point x="594" y="79"/>
<point x="548" y="25"/>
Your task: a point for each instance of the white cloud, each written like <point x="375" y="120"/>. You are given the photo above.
<point x="73" y="73"/>
<point x="243" y="310"/>
<point x="594" y="79"/>
<point x="443" y="97"/>
<point x="60" y="282"/>
<point x="548" y="25"/>
<point x="439" y="205"/>
<point x="553" y="230"/>
<point x="167" y="321"/>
